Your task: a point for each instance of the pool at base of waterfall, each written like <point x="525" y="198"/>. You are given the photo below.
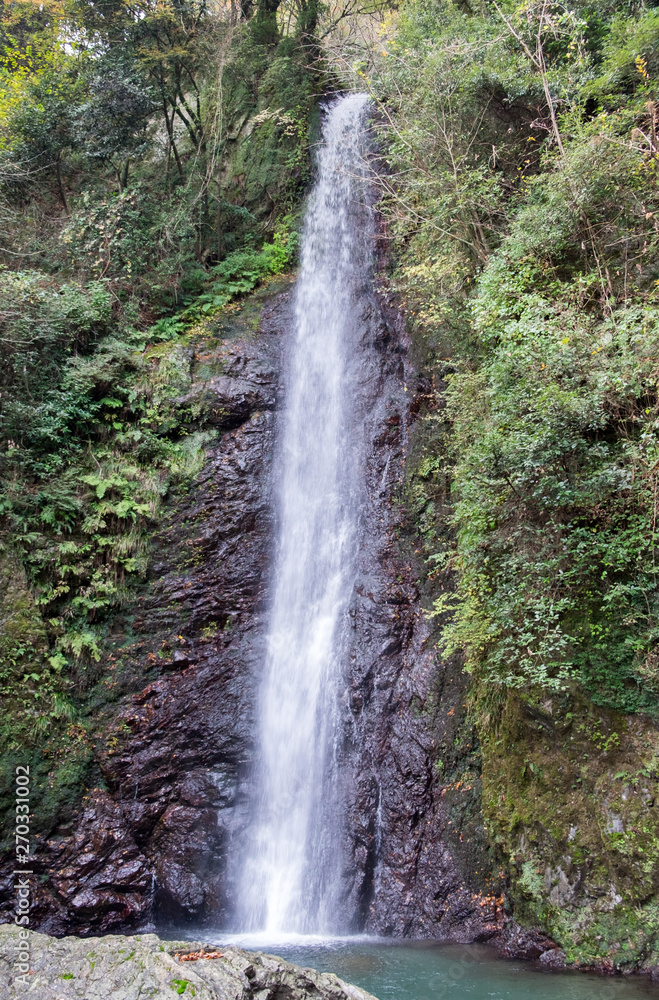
<point x="425" y="970"/>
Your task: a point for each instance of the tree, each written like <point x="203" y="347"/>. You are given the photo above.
<point x="111" y="125"/>
<point x="39" y="127"/>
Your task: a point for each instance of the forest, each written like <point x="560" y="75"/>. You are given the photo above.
<point x="155" y="158"/>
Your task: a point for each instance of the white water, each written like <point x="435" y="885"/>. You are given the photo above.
<point x="291" y="879"/>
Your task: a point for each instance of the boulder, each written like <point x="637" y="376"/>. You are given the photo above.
<point x="116" y="967"/>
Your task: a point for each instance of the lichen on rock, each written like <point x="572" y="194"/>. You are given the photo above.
<point x="125" y="968"/>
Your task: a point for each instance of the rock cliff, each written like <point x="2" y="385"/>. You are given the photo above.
<point x="149" y="843"/>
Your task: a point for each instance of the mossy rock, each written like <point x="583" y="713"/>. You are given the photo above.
<point x="22" y="632"/>
<point x="271" y="109"/>
<point x="569" y="793"/>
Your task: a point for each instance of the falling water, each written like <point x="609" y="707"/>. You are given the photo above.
<point x="291" y="874"/>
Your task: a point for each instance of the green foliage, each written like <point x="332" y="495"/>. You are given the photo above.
<point x="458" y="121"/>
<point x="147" y="186"/>
<point x="528" y="252"/>
<point x="557" y="485"/>
<point x="241" y="271"/>
<point x="111" y="124"/>
<point x="555" y="495"/>
<point x="132" y="151"/>
<point x="85" y="469"/>
<point x="42" y="323"/>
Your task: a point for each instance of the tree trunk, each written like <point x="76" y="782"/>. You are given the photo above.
<point x="58" y="170"/>
<point x="218" y="223"/>
<point x="170" y="133"/>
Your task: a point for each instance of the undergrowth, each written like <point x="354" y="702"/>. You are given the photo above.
<point x="527" y="253"/>
<point x="87" y="465"/>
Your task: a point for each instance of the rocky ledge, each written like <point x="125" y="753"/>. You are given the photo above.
<point x="125" y="968"/>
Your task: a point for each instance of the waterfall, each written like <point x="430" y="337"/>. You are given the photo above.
<point x="291" y="879"/>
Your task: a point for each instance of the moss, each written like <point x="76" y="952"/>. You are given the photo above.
<point x="568" y="798"/>
<point x="22" y="631"/>
<point x="273" y="118"/>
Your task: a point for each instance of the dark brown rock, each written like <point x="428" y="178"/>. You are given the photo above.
<point x="98" y="876"/>
<point x="528" y="943"/>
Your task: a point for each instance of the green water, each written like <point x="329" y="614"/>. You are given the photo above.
<point x="424" y="971"/>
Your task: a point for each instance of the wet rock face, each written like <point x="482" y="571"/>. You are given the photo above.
<point x="410" y="873"/>
<point x="150" y="841"/>
<point x="181" y="771"/>
<point x="150" y="844"/>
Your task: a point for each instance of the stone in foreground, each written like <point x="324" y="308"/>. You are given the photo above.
<point x="116" y="967"/>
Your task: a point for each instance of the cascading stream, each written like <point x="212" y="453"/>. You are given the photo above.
<point x="292" y="869"/>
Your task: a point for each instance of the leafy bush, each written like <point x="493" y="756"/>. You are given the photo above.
<point x="241" y="271"/>
<point x="523" y="199"/>
<point x="555" y="487"/>
<point x="42" y="323"/>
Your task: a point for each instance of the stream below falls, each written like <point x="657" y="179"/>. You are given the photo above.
<point x="432" y="970"/>
<point x="426" y="970"/>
